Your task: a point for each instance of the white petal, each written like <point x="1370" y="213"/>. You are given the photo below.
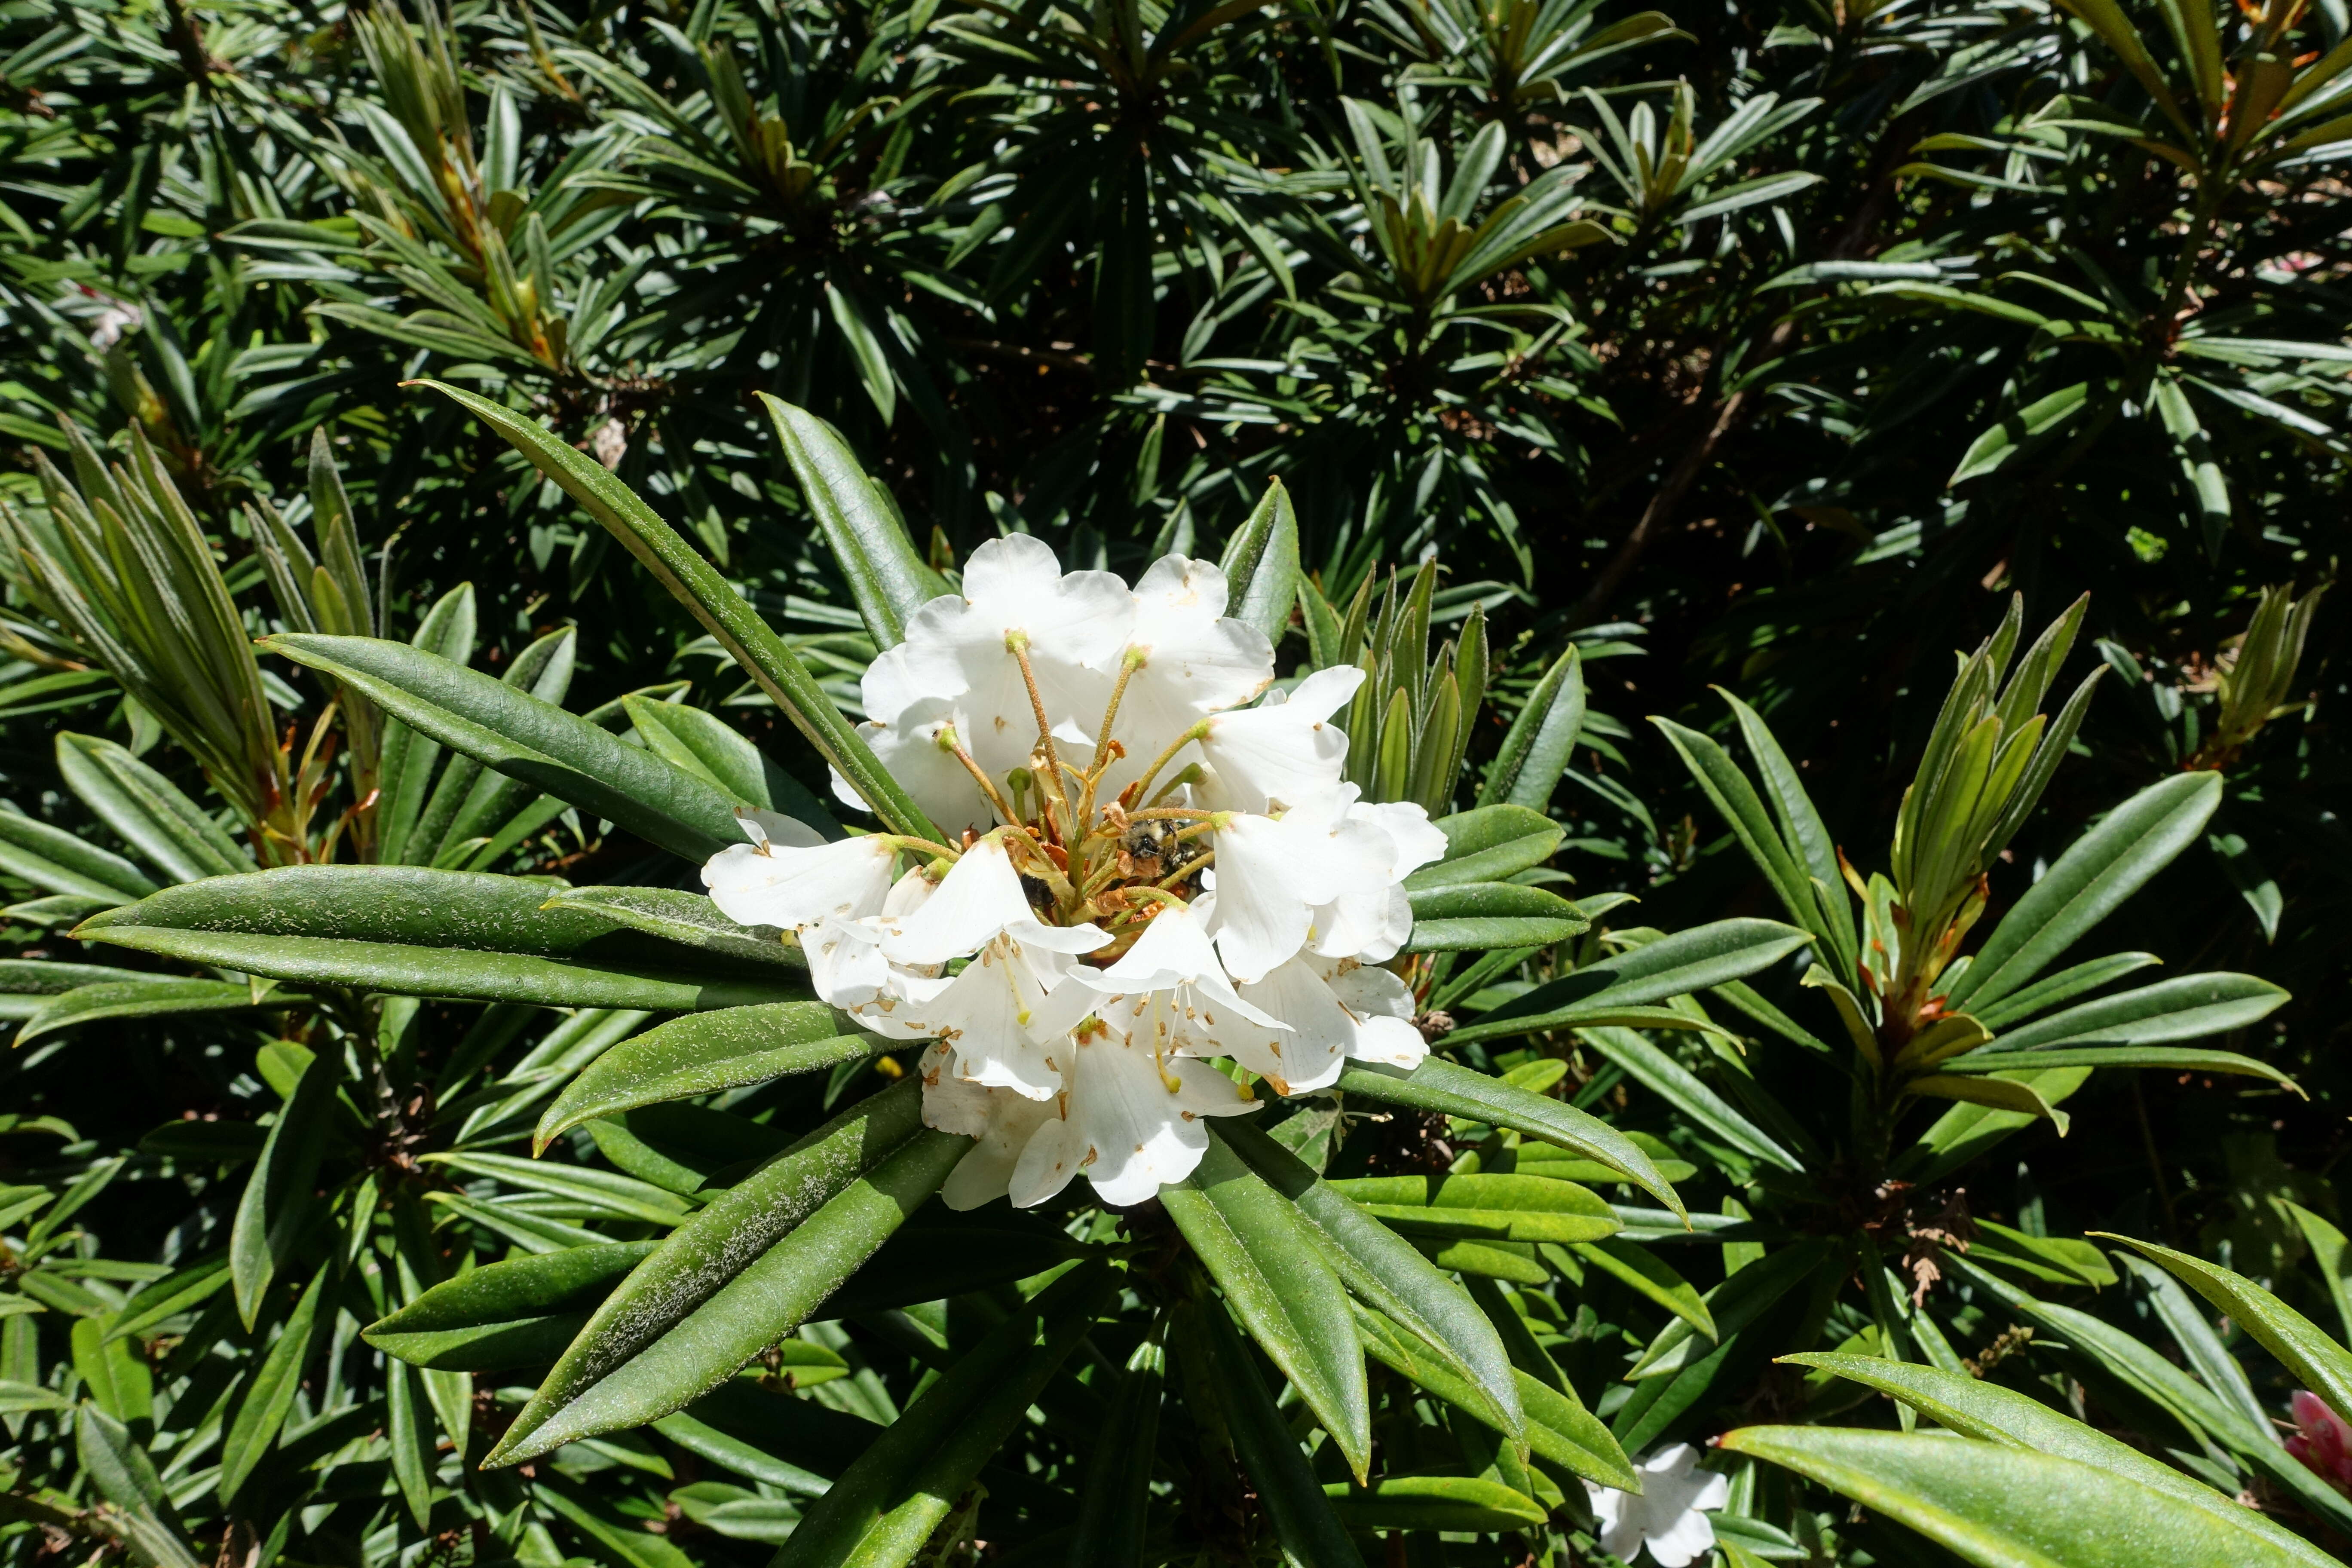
<point x="1325" y="692"/>
<point x="891" y="684"/>
<point x="1047" y="1161"/>
<point x="795" y="888"/>
<point x="950" y="1104"/>
<point x="1418" y="840"/>
<point x="1260" y="919"/>
<point x="935" y="776"/>
<point x="1171" y="951"/>
<point x="1195" y="661"/>
<point x="845" y="791"/>
<point x="846" y="963"/>
<point x="1138" y="1134"/>
<point x="1367" y="926"/>
<point x="774" y="828"/>
<point x="979" y="896"/>
<point x="989" y="1012"/>
<point x="1265" y="757"/>
<point x="1309" y="1053"/>
<point x="1684" y="1542"/>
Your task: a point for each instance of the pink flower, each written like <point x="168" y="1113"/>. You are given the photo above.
<point x="2321" y="1441"/>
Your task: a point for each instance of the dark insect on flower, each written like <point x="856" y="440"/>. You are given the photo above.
<point x="1148" y="848"/>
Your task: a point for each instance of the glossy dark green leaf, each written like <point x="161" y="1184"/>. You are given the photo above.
<point x="1464" y="1503"/>
<point x="269" y="1398"/>
<point x="749" y="640"/>
<point x="1537" y="748"/>
<point x="703" y="743"/>
<point x="276" y="1204"/>
<point x="1672" y="965"/>
<point x="2098" y="871"/>
<point x="1648" y="1275"/>
<point x="886" y="1505"/>
<point x="2317" y="1361"/>
<point x="522" y="1313"/>
<point x="537" y="743"/>
<point x="125" y="1477"/>
<point x="55" y="861"/>
<point x="1441" y="1086"/>
<point x="1482" y="916"/>
<point x="888" y="579"/>
<point x="148" y="811"/>
<point x="1995" y="1505"/>
<point x="703" y="1054"/>
<point x="1385" y="1270"/>
<point x="1310" y="1533"/>
<point x="1488" y="845"/>
<point x="162" y="996"/>
<point x="1116" y="1498"/>
<point x="1279" y="1284"/>
<point x="1261" y="564"/>
<point x="181" y="1291"/>
<point x="689" y="919"/>
<point x="744" y="1272"/>
<point x="1498" y="1208"/>
<point x="1978" y="1408"/>
<point x="2188" y="1007"/>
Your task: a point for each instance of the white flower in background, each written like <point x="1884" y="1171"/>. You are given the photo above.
<point x="1669" y="1514"/>
<point x="1134" y="875"/>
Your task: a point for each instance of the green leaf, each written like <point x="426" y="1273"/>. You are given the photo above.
<point x="1116" y="1498"/>
<point x="1439" y="1085"/>
<point x="886" y="1505"/>
<point x="1310" y="1533"/>
<point x="617" y="1196"/>
<point x="1980" y="1409"/>
<point x="2098" y="871"/>
<point x="55" y="861"/>
<point x="749" y="640"/>
<point x="1648" y="1275"/>
<point x="412" y="932"/>
<point x="2018" y="430"/>
<point x="2063" y="986"/>
<point x="2327" y="1249"/>
<point x="2004" y="1507"/>
<point x="1490" y="844"/>
<point x="276" y="1206"/>
<point x="705" y="745"/>
<point x="1736" y="801"/>
<point x="1682" y="1089"/>
<point x="1672" y="965"/>
<point x="2162" y="1057"/>
<point x="1434" y="1502"/>
<point x="740" y="1273"/>
<point x="1278" y="1283"/>
<point x="519" y="1313"/>
<point x="2188" y="1007"/>
<point x="117" y="1380"/>
<point x="1537" y="748"/>
<point x="125" y="1477"/>
<point x="148" y="811"/>
<point x="1805" y="835"/>
<point x="1480" y="916"/>
<point x="2318" y="1362"/>
<point x="410" y="1438"/>
<point x="689" y="919"/>
<point x="1965" y="1131"/>
<point x="702" y="1055"/>
<point x="515" y="733"/>
<point x="888" y="579"/>
<point x="1261" y="564"/>
<point x="1739" y="1301"/>
<point x="1499" y="1208"/>
<point x="165" y="996"/>
<point x="2004" y="1093"/>
<point x="1387" y="1271"/>
<point x="183" y="1290"/>
<point x="269" y="1398"/>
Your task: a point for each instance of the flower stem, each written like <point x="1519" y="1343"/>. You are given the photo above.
<point x="1195" y="732"/>
<point x="950" y="741"/>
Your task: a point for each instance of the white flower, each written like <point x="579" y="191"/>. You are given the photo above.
<point x="1280" y="752"/>
<point x="789" y="876"/>
<point x="1016" y="601"/>
<point x="1240" y="910"/>
<point x="1130" y="1121"/>
<point x="1668" y="1515"/>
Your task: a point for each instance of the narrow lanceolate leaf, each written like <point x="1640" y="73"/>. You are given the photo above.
<point x="888" y="579"/>
<point x="2190" y="1007"/>
<point x="1311" y="1535"/>
<point x="691" y="919"/>
<point x="163" y="996"/>
<point x="1117" y="1496"/>
<point x="749" y="640"/>
<point x="2318" y="1362"/>
<point x="1488" y="844"/>
<point x="1537" y="749"/>
<point x="2003" y="1507"/>
<point x="1441" y="1086"/>
<point x="1435" y="1502"/>
<point x="1975" y="1407"/>
<point x="740" y="1273"/>
<point x="1498" y="1208"/>
<point x="414" y="931"/>
<point x="1261" y="564"/>
<point x="1279" y="1285"/>
<point x="702" y="1055"/>
<point x="276" y="1202"/>
<point x="1383" y="1268"/>
<point x="57" y="862"/>
<point x="2098" y="871"/>
<point x="148" y="811"/>
<point x="886" y="1505"/>
<point x="538" y="743"/>
<point x="269" y="1399"/>
<point x="1674" y="965"/>
<point x="122" y="1474"/>
<point x="1483" y="916"/>
<point x="522" y="1313"/>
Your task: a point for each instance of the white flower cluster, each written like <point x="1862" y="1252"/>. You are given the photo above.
<point x="1104" y="792"/>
